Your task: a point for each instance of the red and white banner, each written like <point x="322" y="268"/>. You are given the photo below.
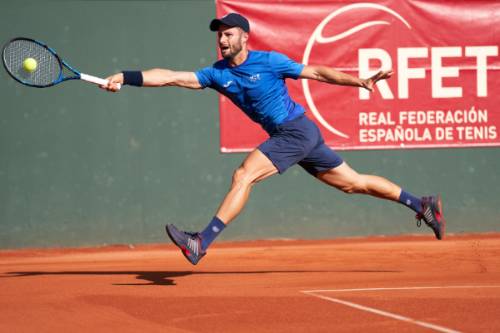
<point x="445" y="91"/>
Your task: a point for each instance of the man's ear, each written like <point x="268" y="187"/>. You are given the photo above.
<point x="245" y="36"/>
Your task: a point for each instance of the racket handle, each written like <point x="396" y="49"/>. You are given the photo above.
<point x="96" y="80"/>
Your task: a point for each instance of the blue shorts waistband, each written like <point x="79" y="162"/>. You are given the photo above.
<point x="295" y="117"/>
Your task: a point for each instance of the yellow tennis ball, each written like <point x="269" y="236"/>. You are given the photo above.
<point x="29" y="65"/>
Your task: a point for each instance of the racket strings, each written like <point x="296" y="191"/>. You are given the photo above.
<point x="48" y="69"/>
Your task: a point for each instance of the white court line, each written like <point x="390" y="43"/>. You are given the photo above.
<point x="389" y="314"/>
<point x="396" y="288"/>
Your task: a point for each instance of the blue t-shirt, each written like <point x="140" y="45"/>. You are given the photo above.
<point x="257" y="86"/>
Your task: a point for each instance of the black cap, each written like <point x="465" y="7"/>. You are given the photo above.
<point x="231" y="20"/>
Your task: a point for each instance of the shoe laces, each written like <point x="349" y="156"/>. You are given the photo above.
<point x="419" y="217"/>
<point x="194" y="235"/>
<point x="191" y="234"/>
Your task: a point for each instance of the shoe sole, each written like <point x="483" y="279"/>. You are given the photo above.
<point x="441" y="220"/>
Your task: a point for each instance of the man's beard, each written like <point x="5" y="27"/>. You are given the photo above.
<point x="233" y="52"/>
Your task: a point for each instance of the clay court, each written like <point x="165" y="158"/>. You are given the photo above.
<point x="380" y="284"/>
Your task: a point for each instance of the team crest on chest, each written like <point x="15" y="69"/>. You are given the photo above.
<point x="254" y="77"/>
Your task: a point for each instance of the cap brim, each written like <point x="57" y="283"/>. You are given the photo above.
<point x="215" y="24"/>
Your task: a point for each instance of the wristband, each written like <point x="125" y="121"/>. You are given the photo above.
<point x="132" y="78"/>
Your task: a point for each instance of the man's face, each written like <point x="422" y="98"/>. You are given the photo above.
<point x="231" y="41"/>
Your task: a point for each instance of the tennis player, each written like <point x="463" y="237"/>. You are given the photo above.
<point x="255" y="82"/>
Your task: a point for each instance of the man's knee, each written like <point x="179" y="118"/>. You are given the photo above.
<point x="242" y="176"/>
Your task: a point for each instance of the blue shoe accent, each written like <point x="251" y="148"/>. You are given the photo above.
<point x="189" y="243"/>
<point x="432" y="214"/>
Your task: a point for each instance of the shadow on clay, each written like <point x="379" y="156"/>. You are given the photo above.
<point x="167" y="278"/>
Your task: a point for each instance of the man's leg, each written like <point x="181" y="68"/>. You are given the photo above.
<point x="255" y="167"/>
<point x="348" y="180"/>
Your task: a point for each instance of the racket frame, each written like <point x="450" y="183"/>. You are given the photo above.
<point x="78" y="75"/>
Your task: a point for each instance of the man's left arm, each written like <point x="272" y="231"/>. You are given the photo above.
<point x="332" y="76"/>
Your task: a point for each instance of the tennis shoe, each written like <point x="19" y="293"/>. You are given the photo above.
<point x="189" y="243"/>
<point x="432" y="215"/>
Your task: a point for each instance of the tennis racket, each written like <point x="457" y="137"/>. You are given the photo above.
<point x="50" y="68"/>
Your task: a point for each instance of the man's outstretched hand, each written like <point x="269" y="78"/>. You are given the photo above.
<point x="115" y="82"/>
<point x="381" y="75"/>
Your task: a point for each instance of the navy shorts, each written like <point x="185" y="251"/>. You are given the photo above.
<point x="299" y="141"/>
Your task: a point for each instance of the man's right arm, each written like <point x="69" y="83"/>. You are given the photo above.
<point x="158" y="77"/>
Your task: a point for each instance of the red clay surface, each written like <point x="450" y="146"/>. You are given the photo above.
<point x="257" y="287"/>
